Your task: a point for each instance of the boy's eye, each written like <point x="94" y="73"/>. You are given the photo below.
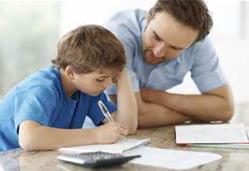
<point x="114" y="79"/>
<point x="100" y="80"/>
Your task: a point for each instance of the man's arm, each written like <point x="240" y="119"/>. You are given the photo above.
<point x="214" y="105"/>
<point x="127" y="106"/>
<point x="151" y="115"/>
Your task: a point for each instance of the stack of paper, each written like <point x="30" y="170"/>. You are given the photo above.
<point x="213" y="135"/>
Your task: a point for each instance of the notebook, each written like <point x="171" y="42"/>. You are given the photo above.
<point x="223" y="146"/>
<point x="119" y="147"/>
<point x="211" y="134"/>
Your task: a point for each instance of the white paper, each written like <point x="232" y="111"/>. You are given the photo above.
<point x="211" y="133"/>
<point x="172" y="159"/>
<point x="226" y="145"/>
<point x="119" y="147"/>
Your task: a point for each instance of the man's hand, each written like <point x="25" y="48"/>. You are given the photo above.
<point x="150" y="95"/>
<point x="145" y="94"/>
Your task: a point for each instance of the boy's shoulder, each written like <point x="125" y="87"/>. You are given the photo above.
<point x="48" y="78"/>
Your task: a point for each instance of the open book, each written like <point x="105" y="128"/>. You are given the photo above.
<point x="119" y="147"/>
<point x="211" y="134"/>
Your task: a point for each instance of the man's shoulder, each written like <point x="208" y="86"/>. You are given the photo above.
<point x="199" y="48"/>
<point x="206" y="43"/>
<point x="132" y="19"/>
<point x="130" y="13"/>
<point x="128" y="25"/>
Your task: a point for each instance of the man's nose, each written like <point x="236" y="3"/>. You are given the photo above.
<point x="159" y="49"/>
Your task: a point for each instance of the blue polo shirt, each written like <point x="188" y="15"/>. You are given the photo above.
<point x="200" y="59"/>
<point x="41" y="98"/>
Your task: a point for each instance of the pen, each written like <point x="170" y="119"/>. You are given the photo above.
<point x="105" y="111"/>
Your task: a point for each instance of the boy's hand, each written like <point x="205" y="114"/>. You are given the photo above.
<point x="110" y="132"/>
<point x="119" y="76"/>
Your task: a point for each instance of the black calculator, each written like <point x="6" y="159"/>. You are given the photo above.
<point x="96" y="159"/>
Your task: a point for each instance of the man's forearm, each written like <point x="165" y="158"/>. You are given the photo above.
<point x="201" y="107"/>
<point x="151" y="115"/>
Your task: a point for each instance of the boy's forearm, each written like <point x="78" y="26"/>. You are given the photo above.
<point x="127" y="107"/>
<point x="47" y="138"/>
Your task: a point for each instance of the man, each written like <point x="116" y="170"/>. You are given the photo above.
<point x="162" y="46"/>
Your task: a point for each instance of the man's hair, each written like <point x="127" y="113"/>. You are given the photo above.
<point x="193" y="13"/>
<point x="89" y="48"/>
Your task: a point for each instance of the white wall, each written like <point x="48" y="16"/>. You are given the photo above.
<point x="79" y="12"/>
<point x="230" y="34"/>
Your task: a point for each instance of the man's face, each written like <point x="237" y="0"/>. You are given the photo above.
<point x="165" y="38"/>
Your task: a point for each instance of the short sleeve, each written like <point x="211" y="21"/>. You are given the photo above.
<point x="95" y="113"/>
<point x="36" y="104"/>
<point x="206" y="71"/>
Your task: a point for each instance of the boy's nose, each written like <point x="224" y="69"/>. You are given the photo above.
<point x="159" y="50"/>
<point x="108" y="82"/>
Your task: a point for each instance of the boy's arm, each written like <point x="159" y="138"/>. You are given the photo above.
<point x="33" y="136"/>
<point x="126" y="103"/>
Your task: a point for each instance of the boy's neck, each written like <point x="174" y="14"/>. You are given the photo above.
<point x="67" y="84"/>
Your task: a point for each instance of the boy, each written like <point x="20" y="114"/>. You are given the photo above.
<point x="47" y="109"/>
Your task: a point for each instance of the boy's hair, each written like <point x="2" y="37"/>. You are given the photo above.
<point x="193" y="13"/>
<point x="89" y="48"/>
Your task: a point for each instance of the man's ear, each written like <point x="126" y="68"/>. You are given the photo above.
<point x="150" y="15"/>
<point x="70" y="72"/>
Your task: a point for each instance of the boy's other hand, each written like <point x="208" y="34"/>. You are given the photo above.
<point x="110" y="132"/>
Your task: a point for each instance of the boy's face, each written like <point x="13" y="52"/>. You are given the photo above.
<point x="95" y="82"/>
<point x="165" y="38"/>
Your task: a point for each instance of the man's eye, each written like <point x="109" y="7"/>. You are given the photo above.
<point x="100" y="80"/>
<point x="175" y="48"/>
<point x="156" y="37"/>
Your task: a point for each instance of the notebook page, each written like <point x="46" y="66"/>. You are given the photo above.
<point x="119" y="147"/>
<point x="211" y="133"/>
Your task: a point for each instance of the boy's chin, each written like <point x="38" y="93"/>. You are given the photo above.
<point x="94" y="94"/>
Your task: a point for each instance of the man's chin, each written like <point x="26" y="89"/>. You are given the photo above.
<point x="153" y="62"/>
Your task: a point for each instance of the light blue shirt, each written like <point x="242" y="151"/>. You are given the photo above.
<point x="200" y="59"/>
<point x="41" y="98"/>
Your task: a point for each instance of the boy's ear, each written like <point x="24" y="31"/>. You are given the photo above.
<point x="70" y="73"/>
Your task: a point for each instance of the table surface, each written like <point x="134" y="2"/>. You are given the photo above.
<point x="162" y="137"/>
